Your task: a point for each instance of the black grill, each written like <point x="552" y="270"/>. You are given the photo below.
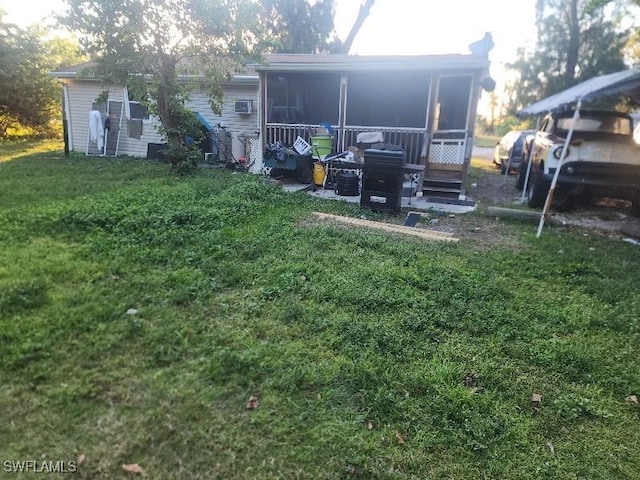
<point x="382" y="180"/>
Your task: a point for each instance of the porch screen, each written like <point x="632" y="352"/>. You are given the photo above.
<point x="387" y="99"/>
<point x="303" y="98"/>
<point x="453" y="102"/>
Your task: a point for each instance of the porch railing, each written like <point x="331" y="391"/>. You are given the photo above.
<point x="288" y="133"/>
<point x="411" y="140"/>
<point x="448" y="147"/>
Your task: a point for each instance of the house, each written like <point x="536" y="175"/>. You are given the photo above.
<point x="425" y="104"/>
<point x="132" y="131"/>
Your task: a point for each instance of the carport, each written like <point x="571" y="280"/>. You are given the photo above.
<point x="626" y="82"/>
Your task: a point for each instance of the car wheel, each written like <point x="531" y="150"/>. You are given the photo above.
<point x="563" y="201"/>
<point x="635" y="204"/>
<point x="521" y="175"/>
<point x="538" y="190"/>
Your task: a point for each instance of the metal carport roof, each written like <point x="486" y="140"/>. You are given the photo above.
<point x="626" y="81"/>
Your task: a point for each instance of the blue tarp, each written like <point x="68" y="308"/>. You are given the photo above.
<point x="204" y="122"/>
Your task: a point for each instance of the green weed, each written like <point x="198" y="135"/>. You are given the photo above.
<point x="140" y="311"/>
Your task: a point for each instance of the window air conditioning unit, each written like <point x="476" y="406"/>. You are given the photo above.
<point x="243" y="106"/>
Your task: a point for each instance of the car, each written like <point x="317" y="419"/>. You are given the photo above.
<point x="510" y="149"/>
<point x="602" y="159"/>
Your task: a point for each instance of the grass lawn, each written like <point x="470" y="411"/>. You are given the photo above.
<point x="139" y="313"/>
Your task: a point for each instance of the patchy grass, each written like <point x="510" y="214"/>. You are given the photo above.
<point x="23" y="147"/>
<point x="372" y="355"/>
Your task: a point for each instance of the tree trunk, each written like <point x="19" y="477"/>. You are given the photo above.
<point x="164" y="94"/>
<point x="574" y="44"/>
<point x="363" y="13"/>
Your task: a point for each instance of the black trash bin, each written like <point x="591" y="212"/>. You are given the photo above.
<point x="382" y="180"/>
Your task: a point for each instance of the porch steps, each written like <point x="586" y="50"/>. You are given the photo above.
<point x="441" y="187"/>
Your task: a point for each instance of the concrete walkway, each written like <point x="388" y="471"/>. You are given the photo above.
<point x="412" y="203"/>
<point x="419" y="204"/>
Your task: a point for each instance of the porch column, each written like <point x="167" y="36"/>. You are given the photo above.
<point x="474" y="97"/>
<point x="428" y="122"/>
<point x="342" y="112"/>
<point x="262" y="109"/>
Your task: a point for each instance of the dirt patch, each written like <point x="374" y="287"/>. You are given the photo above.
<point x="488" y="187"/>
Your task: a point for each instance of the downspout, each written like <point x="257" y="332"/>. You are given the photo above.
<point x="68" y="138"/>
<point x="565" y="147"/>
<point x="526" y="177"/>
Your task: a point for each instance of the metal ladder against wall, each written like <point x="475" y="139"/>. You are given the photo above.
<point x="111" y="141"/>
<point x="112" y="136"/>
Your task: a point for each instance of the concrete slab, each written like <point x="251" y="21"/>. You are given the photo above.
<point x="413" y="203"/>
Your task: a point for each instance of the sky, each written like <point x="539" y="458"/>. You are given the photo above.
<point x="395" y="27"/>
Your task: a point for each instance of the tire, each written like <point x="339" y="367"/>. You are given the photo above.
<point x="538" y="190"/>
<point x="563" y="201"/>
<point x="635" y="204"/>
<point x="521" y="175"/>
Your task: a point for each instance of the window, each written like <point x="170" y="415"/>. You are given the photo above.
<point x="387" y="99"/>
<point x="137" y="110"/>
<point x="603" y="124"/>
<point x="303" y="98"/>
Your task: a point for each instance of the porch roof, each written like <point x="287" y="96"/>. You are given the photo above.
<point x="340" y="62"/>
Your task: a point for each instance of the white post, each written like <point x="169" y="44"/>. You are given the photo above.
<point x="565" y="147"/>
<point x="526" y="177"/>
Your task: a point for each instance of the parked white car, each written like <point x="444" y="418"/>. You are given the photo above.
<point x="602" y="159"/>
<point x="509" y="150"/>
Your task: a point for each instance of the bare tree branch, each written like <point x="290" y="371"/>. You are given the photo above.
<point x="363" y="13"/>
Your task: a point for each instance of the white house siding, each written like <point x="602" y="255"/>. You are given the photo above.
<point x="137" y="147"/>
<point x="82" y="94"/>
<point x="236" y="124"/>
<point x="81" y="97"/>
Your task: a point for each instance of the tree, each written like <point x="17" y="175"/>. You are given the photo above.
<point x="363" y="13"/>
<point x="151" y="45"/>
<point x="29" y="97"/>
<point x="577" y="40"/>
<point x="298" y="26"/>
<point x="305" y="26"/>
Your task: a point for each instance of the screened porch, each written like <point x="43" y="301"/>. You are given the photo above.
<point x="400" y="104"/>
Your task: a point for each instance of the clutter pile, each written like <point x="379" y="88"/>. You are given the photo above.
<point x="315" y="162"/>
